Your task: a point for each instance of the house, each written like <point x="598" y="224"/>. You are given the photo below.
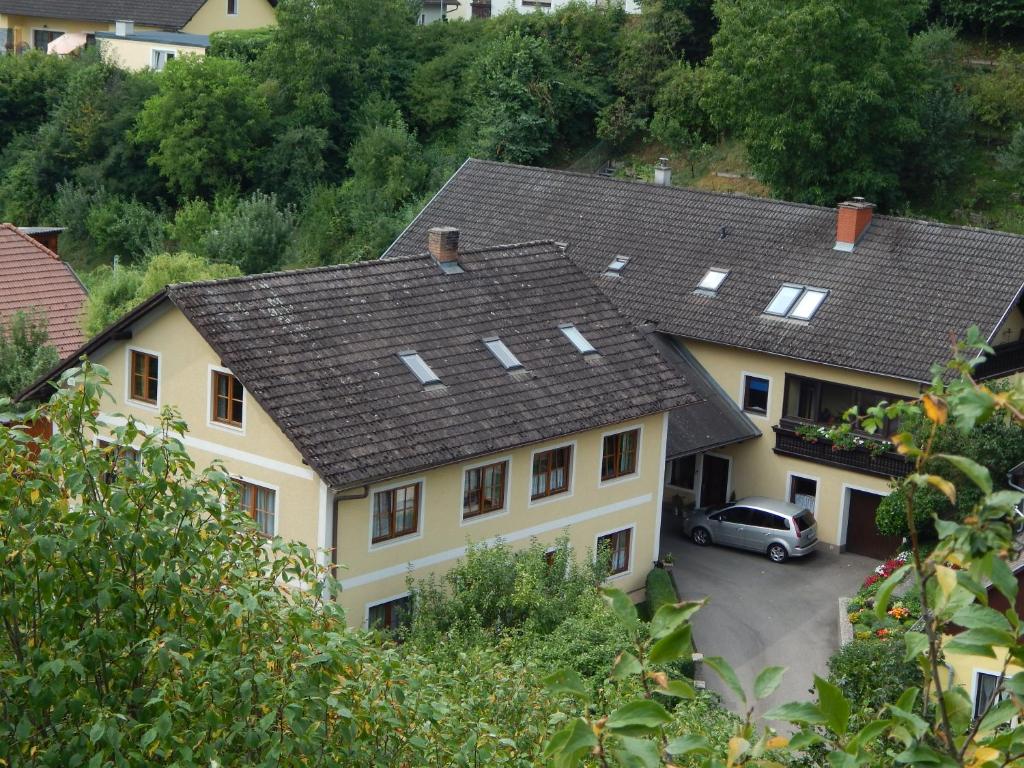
<point x="484" y="9"/>
<point x="385" y="413"/>
<point x="797" y="312"/>
<point x="980" y="675"/>
<point x="151" y="49"/>
<point x="27" y="24"/>
<point x="33" y="278"/>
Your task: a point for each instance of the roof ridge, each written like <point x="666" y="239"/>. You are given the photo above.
<point x="710" y="193"/>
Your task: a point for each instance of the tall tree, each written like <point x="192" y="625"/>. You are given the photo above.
<point x="823" y="92"/>
<point x="25" y="351"/>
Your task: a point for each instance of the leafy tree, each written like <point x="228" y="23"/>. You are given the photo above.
<point x="246" y="45"/>
<point x="144" y="618"/>
<point x="251" y="233"/>
<point x="206" y="125"/>
<point x="25" y="351"/>
<point x="648" y="46"/>
<point x="822" y="92"/>
<point x="30" y="85"/>
<point x="680" y="122"/>
<point x="998" y="96"/>
<point x="123" y="228"/>
<point x="987" y="15"/>
<point x="115" y="292"/>
<point x="512" y="117"/>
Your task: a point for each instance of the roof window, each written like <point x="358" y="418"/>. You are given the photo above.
<point x="796" y="301"/>
<point x="712" y="280"/>
<point x="618" y="264"/>
<point x="419" y="368"/>
<point x="503" y="354"/>
<point x="572" y="333"/>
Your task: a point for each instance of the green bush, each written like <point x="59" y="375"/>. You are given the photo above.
<point x="253" y="234"/>
<point x="660" y="590"/>
<point x="124" y="228"/>
<point x="872" y="673"/>
<point x="891" y="515"/>
<point x="245" y="45"/>
<point x="25" y="352"/>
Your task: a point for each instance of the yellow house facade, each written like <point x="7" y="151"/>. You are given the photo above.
<point x="795" y="313"/>
<point x="387" y="431"/>
<point x="32" y="24"/>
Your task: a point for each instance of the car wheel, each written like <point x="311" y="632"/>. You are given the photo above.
<point x="777" y="553"/>
<point x="701" y="537"/>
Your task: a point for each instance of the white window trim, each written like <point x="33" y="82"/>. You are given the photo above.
<point x="152" y="408"/>
<point x="568" y="493"/>
<point x="639" y="456"/>
<point x="33" y="31"/>
<point x="418" y="534"/>
<point x="210" y="368"/>
<point x="505" y="509"/>
<point x="744" y="375"/>
<point x="803" y="476"/>
<point x="227" y="6"/>
<point x="976" y="672"/>
<point x="631" y="527"/>
<point x="375" y="603"/>
<point x="698" y="481"/>
<point x="172" y="54"/>
<point x="267" y="487"/>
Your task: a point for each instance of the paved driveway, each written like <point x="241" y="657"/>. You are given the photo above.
<point x="762" y="614"/>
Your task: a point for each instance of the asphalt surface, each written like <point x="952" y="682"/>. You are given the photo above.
<point x="761" y="614"/>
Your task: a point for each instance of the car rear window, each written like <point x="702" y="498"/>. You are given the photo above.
<point x="804" y="520"/>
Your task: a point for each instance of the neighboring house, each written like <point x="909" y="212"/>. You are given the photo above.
<point x="26" y="24"/>
<point x="484" y="9"/>
<point x="797" y="312"/>
<point x="385" y="413"/>
<point x="979" y="675"/>
<point x="129" y="49"/>
<point x="33" y="278"/>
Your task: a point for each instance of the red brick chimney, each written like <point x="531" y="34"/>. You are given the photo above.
<point x="443" y="244"/>
<point x="852" y="219"/>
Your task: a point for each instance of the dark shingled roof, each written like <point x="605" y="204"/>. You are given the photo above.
<point x="169" y="14"/>
<point x="703" y="426"/>
<point x="892" y="303"/>
<point x="318" y="349"/>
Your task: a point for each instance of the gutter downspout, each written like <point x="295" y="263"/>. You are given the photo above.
<point x="338" y="495"/>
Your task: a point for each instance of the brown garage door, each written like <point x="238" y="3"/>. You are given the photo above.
<point x="862" y="536"/>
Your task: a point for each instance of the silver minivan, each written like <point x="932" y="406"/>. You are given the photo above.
<point x="779" y="529"/>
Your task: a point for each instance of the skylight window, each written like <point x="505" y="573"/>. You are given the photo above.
<point x="796" y="301"/>
<point x="713" y="280"/>
<point x="618" y="264"/>
<point x="572" y="333"/>
<point x="784" y="300"/>
<point x="419" y="368"/>
<point x="808" y="304"/>
<point x="502" y="353"/>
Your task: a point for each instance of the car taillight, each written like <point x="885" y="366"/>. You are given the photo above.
<point x="796" y="526"/>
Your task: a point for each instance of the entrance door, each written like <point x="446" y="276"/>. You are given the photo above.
<point x="714" y="481"/>
<point x="862" y="536"/>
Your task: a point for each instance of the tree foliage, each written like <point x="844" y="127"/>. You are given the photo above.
<point x="826" y="96"/>
<point x="25" y="351"/>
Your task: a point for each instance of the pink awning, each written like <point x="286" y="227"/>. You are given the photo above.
<point x="67" y="43"/>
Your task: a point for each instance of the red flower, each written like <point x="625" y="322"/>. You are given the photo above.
<point x="872" y="579"/>
<point x="883" y="632"/>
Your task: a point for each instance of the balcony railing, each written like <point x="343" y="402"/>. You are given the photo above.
<point x="1008" y="358"/>
<point x="789" y="442"/>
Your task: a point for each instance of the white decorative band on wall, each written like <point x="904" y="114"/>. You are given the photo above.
<point x="222" y="451"/>
<point x="524" y="533"/>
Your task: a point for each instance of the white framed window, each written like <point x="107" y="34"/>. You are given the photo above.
<point x="620" y="454"/>
<point x="160" y="57"/>
<point x="712" y="281"/>
<point x="485" y="489"/>
<point x="578" y="340"/>
<point x="617" y="546"/>
<point x="390" y="614"/>
<point x="259" y="502"/>
<point x="142" y="377"/>
<point x="798" y="302"/>
<point x="802" y="490"/>
<point x="232" y="7"/>
<point x="756" y="394"/>
<point x="552" y="472"/>
<point x="984" y="694"/>
<point x="396" y="513"/>
<point x="225" y="400"/>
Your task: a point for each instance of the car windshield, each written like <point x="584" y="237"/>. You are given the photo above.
<point x="804" y="520"/>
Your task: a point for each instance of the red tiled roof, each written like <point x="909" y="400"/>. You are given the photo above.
<point x="33" y="276"/>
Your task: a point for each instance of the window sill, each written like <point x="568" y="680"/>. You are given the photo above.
<point x="387" y="543"/>
<point x="542" y="500"/>
<point x="483" y="516"/>
<point x="152" y="407"/>
<point x="618" y="480"/>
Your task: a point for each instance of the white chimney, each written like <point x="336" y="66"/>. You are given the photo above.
<point x="124" y="27"/>
<point x="662" y="173"/>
